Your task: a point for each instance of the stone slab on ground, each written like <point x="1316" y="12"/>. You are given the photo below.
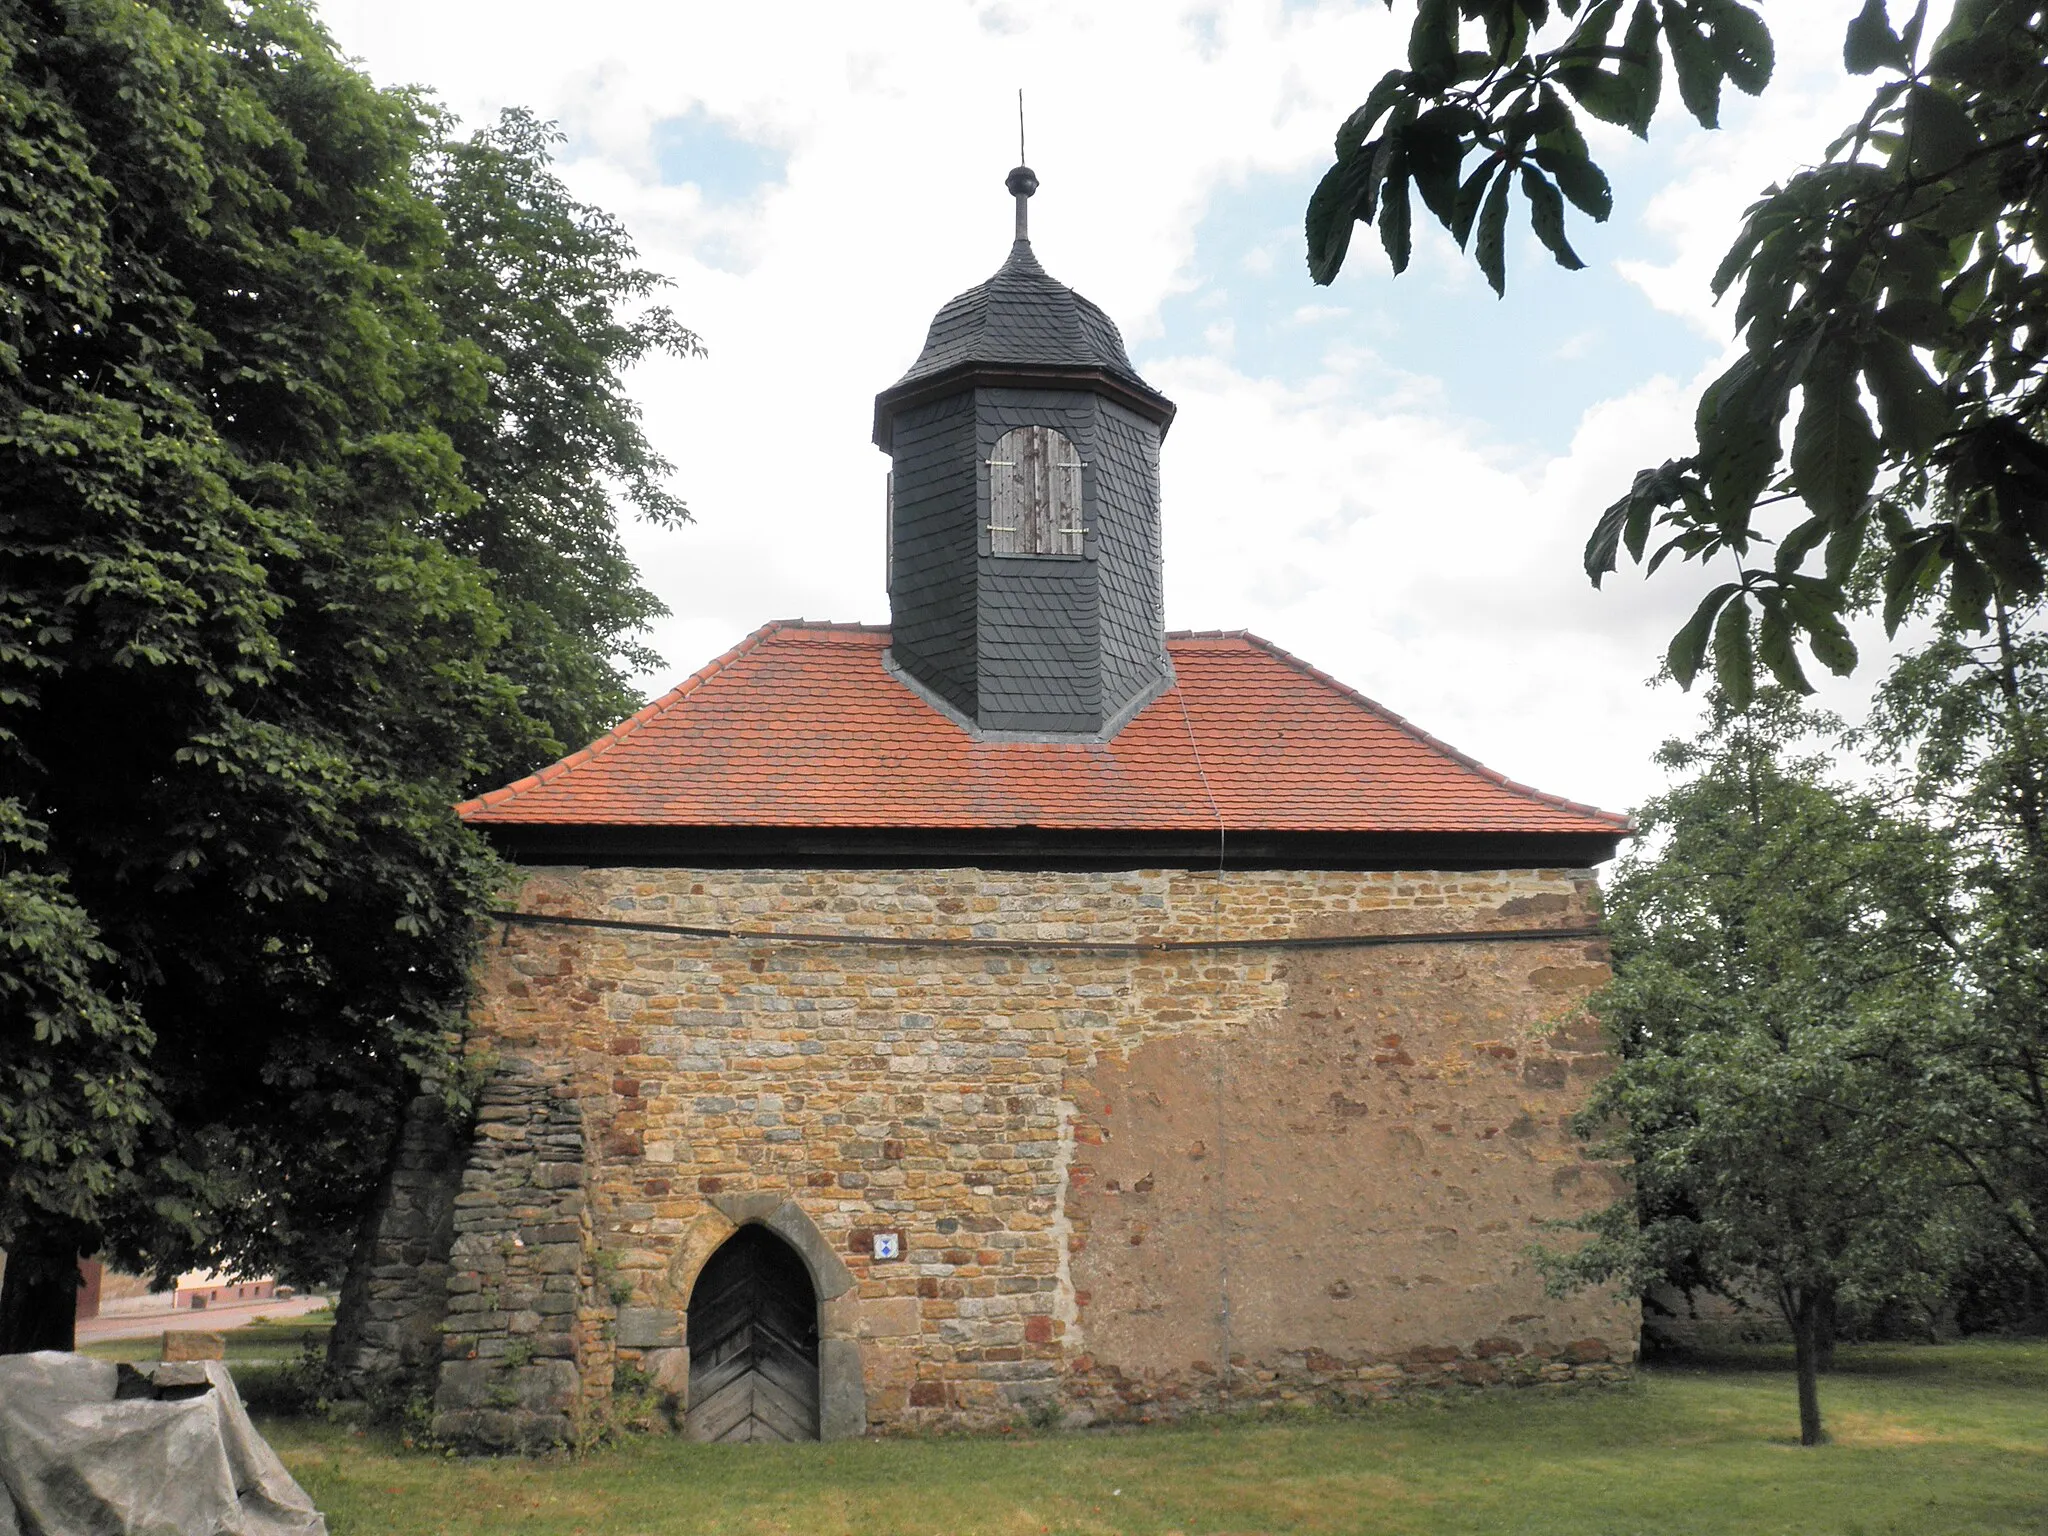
<point x="88" y="1448"/>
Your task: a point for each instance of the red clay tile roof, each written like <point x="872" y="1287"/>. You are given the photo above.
<point x="799" y="725"/>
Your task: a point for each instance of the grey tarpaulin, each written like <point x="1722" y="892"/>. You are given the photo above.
<point x="93" y="1449"/>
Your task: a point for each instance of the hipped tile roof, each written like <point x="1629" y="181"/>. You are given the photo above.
<point x="800" y="725"/>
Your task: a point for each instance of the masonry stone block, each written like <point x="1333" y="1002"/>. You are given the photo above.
<point x="668" y="1369"/>
<point x="464" y="1384"/>
<point x="546" y="1386"/>
<point x="891" y="1317"/>
<point x="842" y="1399"/>
<point x="648" y="1328"/>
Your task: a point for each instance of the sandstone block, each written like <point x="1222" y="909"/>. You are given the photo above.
<point x="191" y="1344"/>
<point x="1432" y="1354"/>
<point x="893" y="1317"/>
<point x="669" y="1370"/>
<point x="843" y="1400"/>
<point x="648" y="1328"/>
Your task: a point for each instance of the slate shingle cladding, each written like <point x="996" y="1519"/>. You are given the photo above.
<point x="932" y="556"/>
<point x="1128" y="565"/>
<point x="1022" y="315"/>
<point x="1058" y="645"/>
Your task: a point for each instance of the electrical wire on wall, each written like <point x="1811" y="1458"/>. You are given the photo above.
<point x="857" y="940"/>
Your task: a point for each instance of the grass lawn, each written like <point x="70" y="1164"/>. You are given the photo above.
<point x="1932" y="1441"/>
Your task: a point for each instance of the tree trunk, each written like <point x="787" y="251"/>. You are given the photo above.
<point x="1800" y="1314"/>
<point x="39" y="1295"/>
<point x="1824" y="1320"/>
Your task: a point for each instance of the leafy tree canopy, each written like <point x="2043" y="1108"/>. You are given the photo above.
<point x="549" y="292"/>
<point x="1903" y="272"/>
<point x="1967" y="717"/>
<point x="310" y="421"/>
<point x="1778" y="977"/>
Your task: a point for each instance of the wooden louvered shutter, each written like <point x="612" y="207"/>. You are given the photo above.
<point x="1034" y="494"/>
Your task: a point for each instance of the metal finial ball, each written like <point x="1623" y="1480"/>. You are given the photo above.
<point x="1022" y="182"/>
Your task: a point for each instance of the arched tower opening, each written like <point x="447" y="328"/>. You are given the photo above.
<point x="753" y="1330"/>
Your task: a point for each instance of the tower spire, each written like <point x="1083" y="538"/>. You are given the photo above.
<point x="1022" y="182"/>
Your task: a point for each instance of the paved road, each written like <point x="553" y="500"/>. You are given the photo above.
<point x="214" y="1319"/>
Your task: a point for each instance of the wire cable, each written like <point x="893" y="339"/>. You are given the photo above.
<point x="1048" y="946"/>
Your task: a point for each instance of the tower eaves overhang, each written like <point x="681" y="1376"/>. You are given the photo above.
<point x="924" y="388"/>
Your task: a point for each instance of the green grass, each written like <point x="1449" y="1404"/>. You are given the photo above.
<point x="265" y="1341"/>
<point x="1932" y="1441"/>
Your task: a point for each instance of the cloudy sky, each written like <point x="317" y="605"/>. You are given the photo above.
<point x="1391" y="478"/>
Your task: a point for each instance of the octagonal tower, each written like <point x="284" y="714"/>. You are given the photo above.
<point x="1024" y="542"/>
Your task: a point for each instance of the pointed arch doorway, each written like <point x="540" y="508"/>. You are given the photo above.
<point x="753" y="1331"/>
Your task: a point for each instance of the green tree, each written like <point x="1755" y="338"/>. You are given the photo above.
<point x="1777" y="979"/>
<point x="75" y="1095"/>
<point x="549" y="292"/>
<point x="1904" y="270"/>
<point x="257" y="612"/>
<point x="1967" y="716"/>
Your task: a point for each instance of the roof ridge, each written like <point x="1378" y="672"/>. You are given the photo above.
<point x="1621" y="821"/>
<point x="632" y="722"/>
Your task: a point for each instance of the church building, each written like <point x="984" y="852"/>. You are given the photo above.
<point x="1014" y="1014"/>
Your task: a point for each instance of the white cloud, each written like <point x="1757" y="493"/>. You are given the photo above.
<point x="1353" y="514"/>
<point x="1576" y="346"/>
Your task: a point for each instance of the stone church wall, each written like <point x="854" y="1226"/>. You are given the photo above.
<point x="1127" y="1185"/>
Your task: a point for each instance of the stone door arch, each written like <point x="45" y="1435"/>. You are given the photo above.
<point x="842" y="1385"/>
<point x="752" y="1324"/>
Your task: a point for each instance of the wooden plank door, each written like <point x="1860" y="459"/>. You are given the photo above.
<point x="753" y="1327"/>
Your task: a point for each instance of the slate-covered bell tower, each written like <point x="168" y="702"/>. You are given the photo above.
<point x="1024" y="562"/>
